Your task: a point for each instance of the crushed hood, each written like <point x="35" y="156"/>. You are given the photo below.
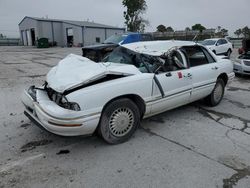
<point x="75" y="70"/>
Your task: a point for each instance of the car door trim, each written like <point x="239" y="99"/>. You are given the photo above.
<point x="168" y="96"/>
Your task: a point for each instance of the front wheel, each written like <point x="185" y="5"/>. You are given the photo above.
<point x="119" y="121"/>
<point x="217" y="94"/>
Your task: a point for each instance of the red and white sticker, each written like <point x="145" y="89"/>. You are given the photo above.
<point x="180" y="75"/>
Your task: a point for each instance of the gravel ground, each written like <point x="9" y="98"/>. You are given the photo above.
<point x="191" y="146"/>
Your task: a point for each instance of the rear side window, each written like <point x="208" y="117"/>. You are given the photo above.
<point x="195" y="56"/>
<point x="208" y="55"/>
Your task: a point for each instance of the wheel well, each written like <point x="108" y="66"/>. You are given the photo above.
<point x="135" y="98"/>
<point x="224" y="77"/>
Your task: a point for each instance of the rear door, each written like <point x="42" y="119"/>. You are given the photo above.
<point x="176" y="86"/>
<point x="204" y="70"/>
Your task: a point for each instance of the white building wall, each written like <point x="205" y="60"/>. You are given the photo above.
<point x="110" y="32"/>
<point x="77" y="33"/>
<point x="58" y="33"/>
<point x="45" y="30"/>
<point x="91" y="34"/>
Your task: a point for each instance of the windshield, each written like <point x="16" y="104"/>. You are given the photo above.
<point x="115" y="39"/>
<point x="209" y="42"/>
<point x="145" y="63"/>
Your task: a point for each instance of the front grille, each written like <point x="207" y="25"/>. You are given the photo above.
<point x="247" y="63"/>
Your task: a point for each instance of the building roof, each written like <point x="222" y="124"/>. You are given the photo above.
<point x="72" y="22"/>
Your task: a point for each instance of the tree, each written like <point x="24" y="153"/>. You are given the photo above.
<point x="133" y="14"/>
<point x="224" y="32"/>
<point x="198" y="27"/>
<point x="1" y="36"/>
<point x="187" y="29"/>
<point x="170" y="29"/>
<point x="246" y="32"/>
<point x="161" y="28"/>
<point x="238" y="32"/>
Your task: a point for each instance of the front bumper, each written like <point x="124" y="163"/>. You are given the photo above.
<point x="241" y="69"/>
<point x="55" y="119"/>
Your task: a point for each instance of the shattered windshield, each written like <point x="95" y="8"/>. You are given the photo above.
<point x="209" y="42"/>
<point x="115" y="39"/>
<point x="145" y="63"/>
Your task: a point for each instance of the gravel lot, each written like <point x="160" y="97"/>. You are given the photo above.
<point x="192" y="146"/>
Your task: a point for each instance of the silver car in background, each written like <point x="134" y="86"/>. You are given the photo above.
<point x="242" y="64"/>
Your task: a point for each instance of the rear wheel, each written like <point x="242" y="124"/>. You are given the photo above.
<point x="217" y="94"/>
<point x="119" y="121"/>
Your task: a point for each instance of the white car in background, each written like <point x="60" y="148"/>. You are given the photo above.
<point x="135" y="81"/>
<point x="219" y="46"/>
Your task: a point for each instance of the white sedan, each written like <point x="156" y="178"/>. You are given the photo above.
<point x="135" y="81"/>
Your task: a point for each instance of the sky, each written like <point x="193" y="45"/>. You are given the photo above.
<point x="179" y="14"/>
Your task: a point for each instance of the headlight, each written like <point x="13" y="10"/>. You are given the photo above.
<point x="69" y="105"/>
<point x="237" y="61"/>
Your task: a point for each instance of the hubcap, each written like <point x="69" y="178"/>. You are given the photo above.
<point x="218" y="92"/>
<point x="121" y="121"/>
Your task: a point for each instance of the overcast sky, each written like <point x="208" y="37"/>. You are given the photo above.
<point x="230" y="14"/>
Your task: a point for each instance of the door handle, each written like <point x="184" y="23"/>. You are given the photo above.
<point x="189" y="75"/>
<point x="168" y="74"/>
<point x="214" y="68"/>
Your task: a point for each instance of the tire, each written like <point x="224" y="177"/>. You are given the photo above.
<point x="217" y="94"/>
<point x="119" y="121"/>
<point x="229" y="51"/>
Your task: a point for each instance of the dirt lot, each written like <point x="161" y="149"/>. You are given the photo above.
<point x="192" y="146"/>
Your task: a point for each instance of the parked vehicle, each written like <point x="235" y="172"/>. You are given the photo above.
<point x="135" y="81"/>
<point x="245" y="46"/>
<point x="219" y="46"/>
<point x="99" y="51"/>
<point x="242" y="63"/>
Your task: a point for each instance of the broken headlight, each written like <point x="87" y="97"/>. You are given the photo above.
<point x="69" y="105"/>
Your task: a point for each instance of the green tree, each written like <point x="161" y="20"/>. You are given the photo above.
<point x="161" y="28"/>
<point x="224" y="32"/>
<point x="133" y="14"/>
<point x="246" y="32"/>
<point x="238" y="32"/>
<point x="187" y="29"/>
<point x="170" y="29"/>
<point x="1" y="36"/>
<point x="198" y="27"/>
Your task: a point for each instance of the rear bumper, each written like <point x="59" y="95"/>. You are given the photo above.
<point x="55" y="119"/>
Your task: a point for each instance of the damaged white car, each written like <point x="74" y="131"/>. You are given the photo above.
<point x="135" y="81"/>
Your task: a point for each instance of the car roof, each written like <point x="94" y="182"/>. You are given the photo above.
<point x="156" y="48"/>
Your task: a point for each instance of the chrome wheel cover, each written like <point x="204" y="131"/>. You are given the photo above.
<point x="218" y="91"/>
<point x="121" y="121"/>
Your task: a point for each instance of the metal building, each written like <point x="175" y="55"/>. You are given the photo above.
<point x="64" y="32"/>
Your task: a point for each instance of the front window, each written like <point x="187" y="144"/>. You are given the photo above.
<point x="115" y="39"/>
<point x="145" y="63"/>
<point x="209" y="42"/>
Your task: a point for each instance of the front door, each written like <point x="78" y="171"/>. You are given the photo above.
<point x="175" y="83"/>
